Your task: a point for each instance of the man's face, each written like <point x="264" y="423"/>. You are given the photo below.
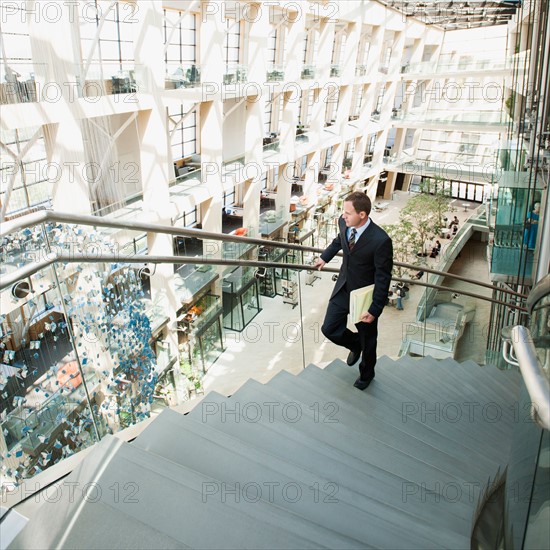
<point x="351" y="217"/>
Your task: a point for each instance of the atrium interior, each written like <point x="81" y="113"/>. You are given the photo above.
<point x="170" y="171"/>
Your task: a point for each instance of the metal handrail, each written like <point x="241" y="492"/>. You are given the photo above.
<point x="30" y="269"/>
<point x="541" y="289"/>
<point x="47" y="216"/>
<point x="534" y="377"/>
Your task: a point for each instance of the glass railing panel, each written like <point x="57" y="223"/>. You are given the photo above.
<point x="537" y="531"/>
<point x="276" y="73"/>
<point x="182" y="76"/>
<point x="308" y="72"/>
<point x="188" y="180"/>
<point x="18" y="90"/>
<point x="229" y="319"/>
<point x="45" y="382"/>
<point x="272" y="145"/>
<point x="107" y="79"/>
<point x="335" y="70"/>
<point x="526" y="480"/>
<point x="539" y="325"/>
<point x="462" y="117"/>
<point x="235" y="74"/>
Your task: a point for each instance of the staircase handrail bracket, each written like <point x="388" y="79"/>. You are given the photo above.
<point x="533" y="375"/>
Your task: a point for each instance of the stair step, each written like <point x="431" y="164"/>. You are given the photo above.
<point x="288" y="443"/>
<point x="439" y="403"/>
<point x="417" y="400"/>
<point x="200" y="446"/>
<point x="98" y="515"/>
<point x="389" y="407"/>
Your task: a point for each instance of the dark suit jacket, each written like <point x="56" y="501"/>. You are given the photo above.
<point x="370" y="261"/>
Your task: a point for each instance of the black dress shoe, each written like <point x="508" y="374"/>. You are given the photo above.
<point x="363" y="384"/>
<point x="353" y="357"/>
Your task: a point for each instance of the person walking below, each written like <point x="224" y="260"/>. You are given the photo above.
<point x="399" y="304"/>
<point x="367" y="259"/>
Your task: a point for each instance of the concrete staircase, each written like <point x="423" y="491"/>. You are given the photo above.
<point x="303" y="461"/>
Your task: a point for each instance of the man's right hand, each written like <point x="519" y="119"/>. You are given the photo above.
<point x="319" y="264"/>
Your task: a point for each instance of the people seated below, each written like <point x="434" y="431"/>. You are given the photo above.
<point x="455" y="229"/>
<point x="435" y="249"/>
<point x="454" y="222"/>
<point x="418" y="275"/>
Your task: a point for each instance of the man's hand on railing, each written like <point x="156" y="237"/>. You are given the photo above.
<point x="319" y="264"/>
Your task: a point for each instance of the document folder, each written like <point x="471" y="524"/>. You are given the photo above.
<point x="359" y="302"/>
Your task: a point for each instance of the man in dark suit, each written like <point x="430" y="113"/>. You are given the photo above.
<point x="367" y="258"/>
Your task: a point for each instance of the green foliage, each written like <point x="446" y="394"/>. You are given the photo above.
<point x="400" y="234"/>
<point x="192" y="374"/>
<point x="422" y="214"/>
<point x="440" y="191"/>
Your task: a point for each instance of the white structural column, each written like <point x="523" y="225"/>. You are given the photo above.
<point x="254" y="118"/>
<point x="325" y="36"/>
<point x="56" y="61"/>
<point x="212" y="40"/>
<point x="352" y="47"/>
<point x="153" y="153"/>
<point x="389" y="99"/>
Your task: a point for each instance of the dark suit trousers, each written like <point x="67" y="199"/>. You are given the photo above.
<point x="335" y="329"/>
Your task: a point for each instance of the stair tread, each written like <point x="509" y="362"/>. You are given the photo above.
<point x="400" y="377"/>
<point x="200" y="447"/>
<point x="387" y="405"/>
<point x="362" y="444"/>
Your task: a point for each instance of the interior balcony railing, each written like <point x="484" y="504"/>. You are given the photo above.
<point x="461" y="64"/>
<point x="235" y="74"/>
<point x="182" y="76"/>
<point x="72" y="296"/>
<point x="276" y="73"/>
<point x="478" y="118"/>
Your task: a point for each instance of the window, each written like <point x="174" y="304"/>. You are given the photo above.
<point x="229" y="198"/>
<point x="339" y="47"/>
<point x="328" y="156"/>
<point x="184" y="137"/>
<point x="333" y="98"/>
<point x="372" y="143"/>
<point x="272" y="48"/>
<point x="16" y="68"/>
<point x="180" y="39"/>
<point x="189" y="218"/>
<point x="363" y="50"/>
<point x="267" y="117"/>
<point x="357" y="101"/>
<point x="310" y="47"/>
<point x="232" y="42"/>
<point x="380" y="100"/>
<point x="306" y="107"/>
<point x="350" y="148"/>
<point x="31" y="187"/>
<point x="114" y="51"/>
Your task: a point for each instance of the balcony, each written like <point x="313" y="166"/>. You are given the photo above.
<point x="308" y="72"/>
<point x="182" y="76"/>
<point x="235" y="74"/>
<point x="360" y="70"/>
<point x="108" y="79"/>
<point x="335" y="70"/>
<point x="275" y="74"/>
